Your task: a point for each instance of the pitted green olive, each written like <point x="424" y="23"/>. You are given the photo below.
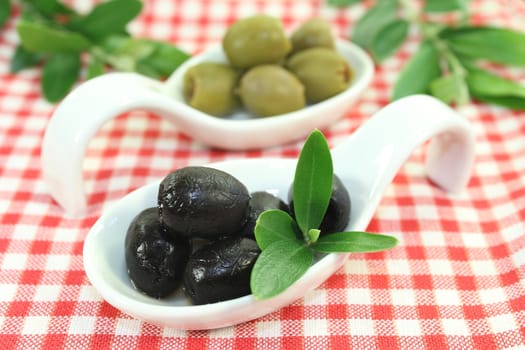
<point x="256" y="40"/>
<point x="268" y="90"/>
<point x="323" y="72"/>
<point x="315" y="32"/>
<point x="209" y="87"/>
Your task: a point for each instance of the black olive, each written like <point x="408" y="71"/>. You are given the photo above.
<point x="259" y="202"/>
<point x="201" y="202"/>
<point x="220" y="270"/>
<point x="155" y="260"/>
<point x="338" y="212"/>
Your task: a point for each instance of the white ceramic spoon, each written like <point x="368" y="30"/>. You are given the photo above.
<point x="81" y="114"/>
<point x="366" y="163"/>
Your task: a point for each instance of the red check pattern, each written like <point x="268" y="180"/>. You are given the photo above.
<point x="456" y="280"/>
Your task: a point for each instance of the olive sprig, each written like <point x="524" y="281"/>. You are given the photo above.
<point x="60" y="38"/>
<point x="450" y="62"/>
<point x="288" y="245"/>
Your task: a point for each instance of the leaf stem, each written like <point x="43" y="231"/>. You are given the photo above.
<point x="119" y="63"/>
<point x="450" y="63"/>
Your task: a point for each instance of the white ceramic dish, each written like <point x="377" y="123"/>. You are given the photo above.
<point x="366" y="163"/>
<point x="81" y="114"/>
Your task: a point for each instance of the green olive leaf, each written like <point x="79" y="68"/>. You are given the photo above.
<point x="132" y="47"/>
<point x="59" y="74"/>
<point x="312" y="185"/>
<point x="371" y="23"/>
<point x="512" y="102"/>
<point x="150" y="57"/>
<point x="39" y="37"/>
<point x="486" y="83"/>
<point x="418" y="72"/>
<point x="95" y="67"/>
<point x="285" y="257"/>
<point x="275" y="225"/>
<point x="491" y="88"/>
<point x="48" y="8"/>
<point x="450" y="88"/>
<point x="444" y="5"/>
<point x="342" y="3"/>
<point x="388" y="39"/>
<point x="163" y="60"/>
<point x="278" y="266"/>
<point x="354" y="242"/>
<point x="23" y="59"/>
<point x="5" y="11"/>
<point x="498" y="45"/>
<point x="108" y="18"/>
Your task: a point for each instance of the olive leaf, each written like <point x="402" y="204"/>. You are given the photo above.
<point x="278" y="266"/>
<point x="388" y="39"/>
<point x="354" y="242"/>
<point x="450" y="88"/>
<point x="287" y="253"/>
<point x="498" y="45"/>
<point x="24" y="59"/>
<point x="48" y="8"/>
<point x="50" y="27"/>
<point x="5" y="11"/>
<point x="491" y="88"/>
<point x="440" y="62"/>
<point x="371" y="23"/>
<point x="59" y="74"/>
<point x="444" y="5"/>
<point x="163" y="60"/>
<point x="107" y="18"/>
<point x="312" y="186"/>
<point x="123" y="45"/>
<point x="95" y="67"/>
<point x="342" y="2"/>
<point x="149" y="57"/>
<point x="419" y="72"/>
<point x="39" y="37"/>
<point x="275" y="225"/>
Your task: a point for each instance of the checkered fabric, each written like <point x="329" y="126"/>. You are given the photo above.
<point x="456" y="280"/>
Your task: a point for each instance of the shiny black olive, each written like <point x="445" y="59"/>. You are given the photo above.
<point x="202" y="202"/>
<point x="338" y="212"/>
<point x="220" y="270"/>
<point x="261" y="201"/>
<point x="155" y="261"/>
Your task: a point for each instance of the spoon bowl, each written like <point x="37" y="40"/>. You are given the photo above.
<point x="98" y="100"/>
<point x="366" y="163"/>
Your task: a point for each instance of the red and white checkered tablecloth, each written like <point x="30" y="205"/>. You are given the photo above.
<point x="456" y="280"/>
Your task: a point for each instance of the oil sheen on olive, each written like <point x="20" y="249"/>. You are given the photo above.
<point x="202" y="202"/>
<point x="337" y="214"/>
<point x="254" y="40"/>
<point x="323" y="72"/>
<point x="209" y="87"/>
<point x="269" y="89"/>
<point x="155" y="261"/>
<point x="261" y="201"/>
<point x="315" y="32"/>
<point x="220" y="270"/>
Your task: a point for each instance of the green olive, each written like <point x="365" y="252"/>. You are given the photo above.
<point x="315" y="32"/>
<point x="268" y="90"/>
<point x="209" y="87"/>
<point x="254" y="40"/>
<point x="323" y="72"/>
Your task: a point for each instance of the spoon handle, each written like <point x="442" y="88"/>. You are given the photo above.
<point x="75" y="122"/>
<point x="374" y="153"/>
